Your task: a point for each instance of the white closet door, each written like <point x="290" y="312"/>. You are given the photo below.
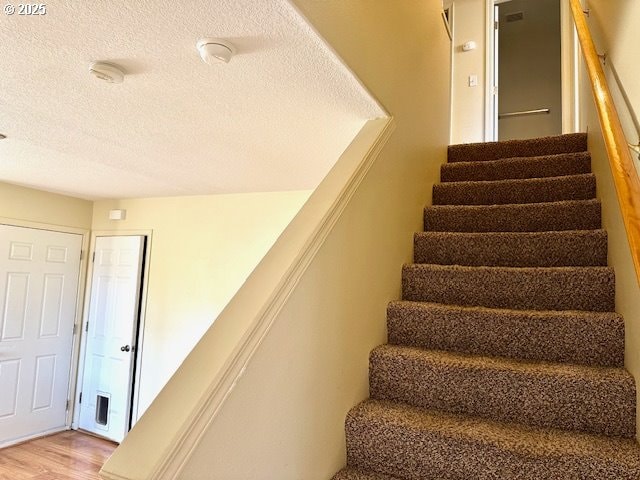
<point x="113" y="321"/>
<point x="39" y="272"/>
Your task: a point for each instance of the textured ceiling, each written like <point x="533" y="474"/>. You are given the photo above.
<point x="275" y="118"/>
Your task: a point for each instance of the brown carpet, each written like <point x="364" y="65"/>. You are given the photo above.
<point x="571" y="397"/>
<point x="534" y="147"/>
<point x="413" y="443"/>
<point x="530" y="190"/>
<point x="586" y="338"/>
<point x="522" y="288"/>
<point x="531" y="217"/>
<point x="505" y="356"/>
<point x="575" y="248"/>
<point x="514" y="168"/>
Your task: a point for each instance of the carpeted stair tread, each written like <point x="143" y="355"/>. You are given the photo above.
<point x="572" y="397"/>
<point x="517" y="168"/>
<point x="588" y="338"/>
<point x="532" y="217"/>
<point x="357" y="474"/>
<point x="512" y="249"/>
<point x="530" y="190"/>
<point x="418" y="444"/>
<point x="505" y="358"/>
<point x="526" y="288"/>
<point x="478" y="152"/>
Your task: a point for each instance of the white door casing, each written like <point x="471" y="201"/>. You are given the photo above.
<point x="39" y="276"/>
<point x="569" y="77"/>
<point x="112" y="325"/>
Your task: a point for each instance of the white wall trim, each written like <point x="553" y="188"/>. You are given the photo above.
<point x="569" y="58"/>
<point x="451" y="30"/>
<point x="175" y="461"/>
<point x="28" y="438"/>
<point x="331" y="198"/>
<point x="490" y="133"/>
<point x="42" y="226"/>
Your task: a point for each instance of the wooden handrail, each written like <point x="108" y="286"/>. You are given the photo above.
<point x="625" y="176"/>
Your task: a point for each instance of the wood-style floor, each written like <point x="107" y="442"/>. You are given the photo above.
<point x="65" y="456"/>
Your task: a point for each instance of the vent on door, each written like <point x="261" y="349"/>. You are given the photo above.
<point x="102" y="410"/>
<point x="514" y="17"/>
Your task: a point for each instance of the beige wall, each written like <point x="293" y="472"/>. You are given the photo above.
<point x="27" y="204"/>
<point x="285" y="418"/>
<point x="530" y="66"/>
<point x="203" y="248"/>
<point x="467" y="112"/>
<point x="617" y="33"/>
<point x="615" y="29"/>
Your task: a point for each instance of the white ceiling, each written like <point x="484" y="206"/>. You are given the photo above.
<point x="275" y="118"/>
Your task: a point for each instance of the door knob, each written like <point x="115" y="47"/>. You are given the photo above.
<point x="126" y="348"/>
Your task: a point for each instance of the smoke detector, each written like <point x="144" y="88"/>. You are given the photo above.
<point x="213" y="50"/>
<point x="107" y="71"/>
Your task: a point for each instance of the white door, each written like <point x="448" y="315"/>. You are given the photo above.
<point x="496" y="74"/>
<point x="111" y="333"/>
<point x="39" y="273"/>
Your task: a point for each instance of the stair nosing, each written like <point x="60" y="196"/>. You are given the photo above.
<point x="594" y="232"/>
<point x="495" y="438"/>
<point x="473" y="362"/>
<point x="513" y="311"/>
<point x="533" y="158"/>
<point x="494" y="268"/>
<point x="590" y="201"/>
<point x="518" y="180"/>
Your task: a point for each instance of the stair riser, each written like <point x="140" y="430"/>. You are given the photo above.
<point x="596" y="405"/>
<point x="420" y="455"/>
<point x="548" y="249"/>
<point x="353" y="474"/>
<point x="596" y="339"/>
<point x="517" y="168"/>
<point x="543" y="217"/>
<point x="479" y="152"/>
<point x="590" y="289"/>
<point x="581" y="187"/>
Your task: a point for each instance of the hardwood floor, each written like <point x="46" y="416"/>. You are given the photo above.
<point x="65" y="456"/>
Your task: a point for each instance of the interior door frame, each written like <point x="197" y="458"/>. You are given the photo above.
<point x="450" y="25"/>
<point x="569" y="71"/>
<point x="135" y="402"/>
<point x="82" y="280"/>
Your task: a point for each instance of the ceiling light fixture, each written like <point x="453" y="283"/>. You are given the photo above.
<point x="2" y="136"/>
<point x="213" y="50"/>
<point x="107" y="71"/>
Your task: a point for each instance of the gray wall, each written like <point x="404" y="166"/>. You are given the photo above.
<point x="530" y="68"/>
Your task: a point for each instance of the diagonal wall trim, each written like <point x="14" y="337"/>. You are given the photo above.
<point x="309" y="229"/>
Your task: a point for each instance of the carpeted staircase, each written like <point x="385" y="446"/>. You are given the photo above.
<point x="505" y="356"/>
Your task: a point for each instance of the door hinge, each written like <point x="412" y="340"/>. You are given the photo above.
<point x="93" y="257"/>
<point x="86" y="327"/>
<point x="80" y="399"/>
<point x="496" y="25"/>
<point x="67" y="407"/>
<point x="75" y="328"/>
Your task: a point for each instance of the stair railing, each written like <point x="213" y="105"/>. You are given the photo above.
<point x="625" y="175"/>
